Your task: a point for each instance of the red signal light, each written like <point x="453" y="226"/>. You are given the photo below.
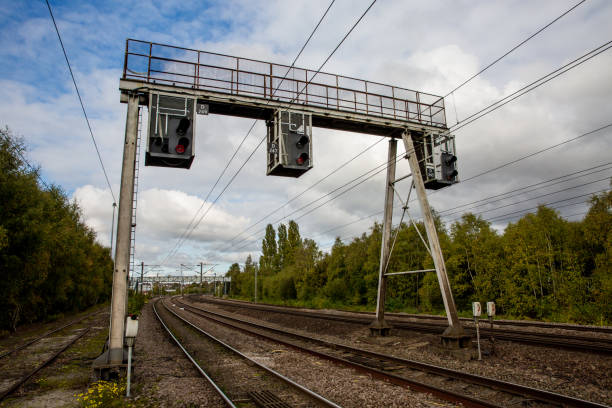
<point x="302" y="158"/>
<point x="182" y="144"/>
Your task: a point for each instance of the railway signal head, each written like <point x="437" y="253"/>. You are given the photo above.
<point x="171" y="131"/>
<point x="437" y="160"/>
<point x="289" y="143"/>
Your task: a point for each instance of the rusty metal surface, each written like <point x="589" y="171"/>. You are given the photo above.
<point x="188" y="68"/>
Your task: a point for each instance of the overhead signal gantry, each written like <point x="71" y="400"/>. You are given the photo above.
<point x="179" y="83"/>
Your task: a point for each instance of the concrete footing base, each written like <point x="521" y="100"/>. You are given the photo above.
<point x="455" y="338"/>
<point x="380" y="328"/>
<point x="103" y="370"/>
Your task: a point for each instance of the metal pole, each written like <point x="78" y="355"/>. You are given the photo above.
<point x="455" y="330"/>
<point x="124" y="227"/>
<point x="129" y="371"/>
<point x="182" y="281"/>
<point x="255" y="283"/>
<point x="380" y="326"/>
<point x="112" y="230"/>
<point x="141" y="275"/>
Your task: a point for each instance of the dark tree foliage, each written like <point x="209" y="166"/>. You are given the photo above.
<point x="542" y="266"/>
<point x="49" y="259"/>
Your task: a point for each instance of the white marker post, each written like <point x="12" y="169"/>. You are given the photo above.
<point x="476" y="312"/>
<point x="491" y="314"/>
<point x="131" y="329"/>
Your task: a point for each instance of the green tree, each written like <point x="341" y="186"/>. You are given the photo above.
<point x="283" y="247"/>
<point x="268" y="262"/>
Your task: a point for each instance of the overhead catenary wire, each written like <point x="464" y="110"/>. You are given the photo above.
<point x="483" y="199"/>
<point x="495" y="168"/>
<point x="532" y="86"/>
<point x="513" y="49"/>
<point x="306" y="190"/>
<point x="188" y="228"/>
<point x="534" y="198"/>
<point x="506" y="195"/>
<point x="374" y="171"/>
<point x="263" y="139"/>
<point x="93" y="139"/>
<point x="599" y="129"/>
<point x="541" y="81"/>
<point x="525" y="211"/>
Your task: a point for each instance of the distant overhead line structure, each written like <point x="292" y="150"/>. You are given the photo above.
<point x="235" y="86"/>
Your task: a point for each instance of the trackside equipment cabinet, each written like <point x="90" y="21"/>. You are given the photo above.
<point x="289" y="138"/>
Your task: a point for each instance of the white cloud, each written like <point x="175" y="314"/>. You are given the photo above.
<point x="420" y="45"/>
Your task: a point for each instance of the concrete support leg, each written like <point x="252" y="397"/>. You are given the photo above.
<point x="124" y="230"/>
<point x="454" y="336"/>
<point x="379" y="326"/>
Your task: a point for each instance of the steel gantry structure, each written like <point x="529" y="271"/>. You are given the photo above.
<point x="227" y="85"/>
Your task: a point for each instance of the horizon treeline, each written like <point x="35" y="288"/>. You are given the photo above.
<point x="50" y="261"/>
<point x="541" y="267"/>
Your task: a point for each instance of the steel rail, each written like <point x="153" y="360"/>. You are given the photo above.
<point x="195" y="363"/>
<point x="26" y="377"/>
<point x="276" y="374"/>
<point x="582" y="343"/>
<point x="512" y="388"/>
<point x="29" y="343"/>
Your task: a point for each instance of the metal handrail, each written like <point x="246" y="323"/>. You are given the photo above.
<point x="262" y="85"/>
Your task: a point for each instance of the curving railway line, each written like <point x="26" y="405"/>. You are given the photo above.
<point x="505" y="330"/>
<point x="451" y="385"/>
<point x="261" y="390"/>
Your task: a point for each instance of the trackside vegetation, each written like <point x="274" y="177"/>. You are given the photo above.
<point x="49" y="259"/>
<point x="541" y="267"/>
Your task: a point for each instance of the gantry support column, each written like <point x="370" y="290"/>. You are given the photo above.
<point x="379" y="326"/>
<point x="124" y="230"/>
<point x="454" y="335"/>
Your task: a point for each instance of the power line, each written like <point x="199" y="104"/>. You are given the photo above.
<point x="262" y="140"/>
<point x="527" y="89"/>
<point x="376" y="170"/>
<point x="470" y="178"/>
<point x="306" y="190"/>
<point x="533" y="85"/>
<point x="522" y="190"/>
<point x="483" y="199"/>
<point x="493" y="170"/>
<point x="535" y="198"/>
<point x="513" y="49"/>
<point x="187" y="229"/>
<point x="525" y="211"/>
<point x="93" y="139"/>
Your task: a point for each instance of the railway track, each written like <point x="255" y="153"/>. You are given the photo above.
<point x="47" y="334"/>
<point x="455" y="386"/>
<point x="562" y="340"/>
<point x="14" y="374"/>
<point x="259" y="393"/>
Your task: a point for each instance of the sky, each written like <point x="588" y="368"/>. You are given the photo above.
<point x="430" y="46"/>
